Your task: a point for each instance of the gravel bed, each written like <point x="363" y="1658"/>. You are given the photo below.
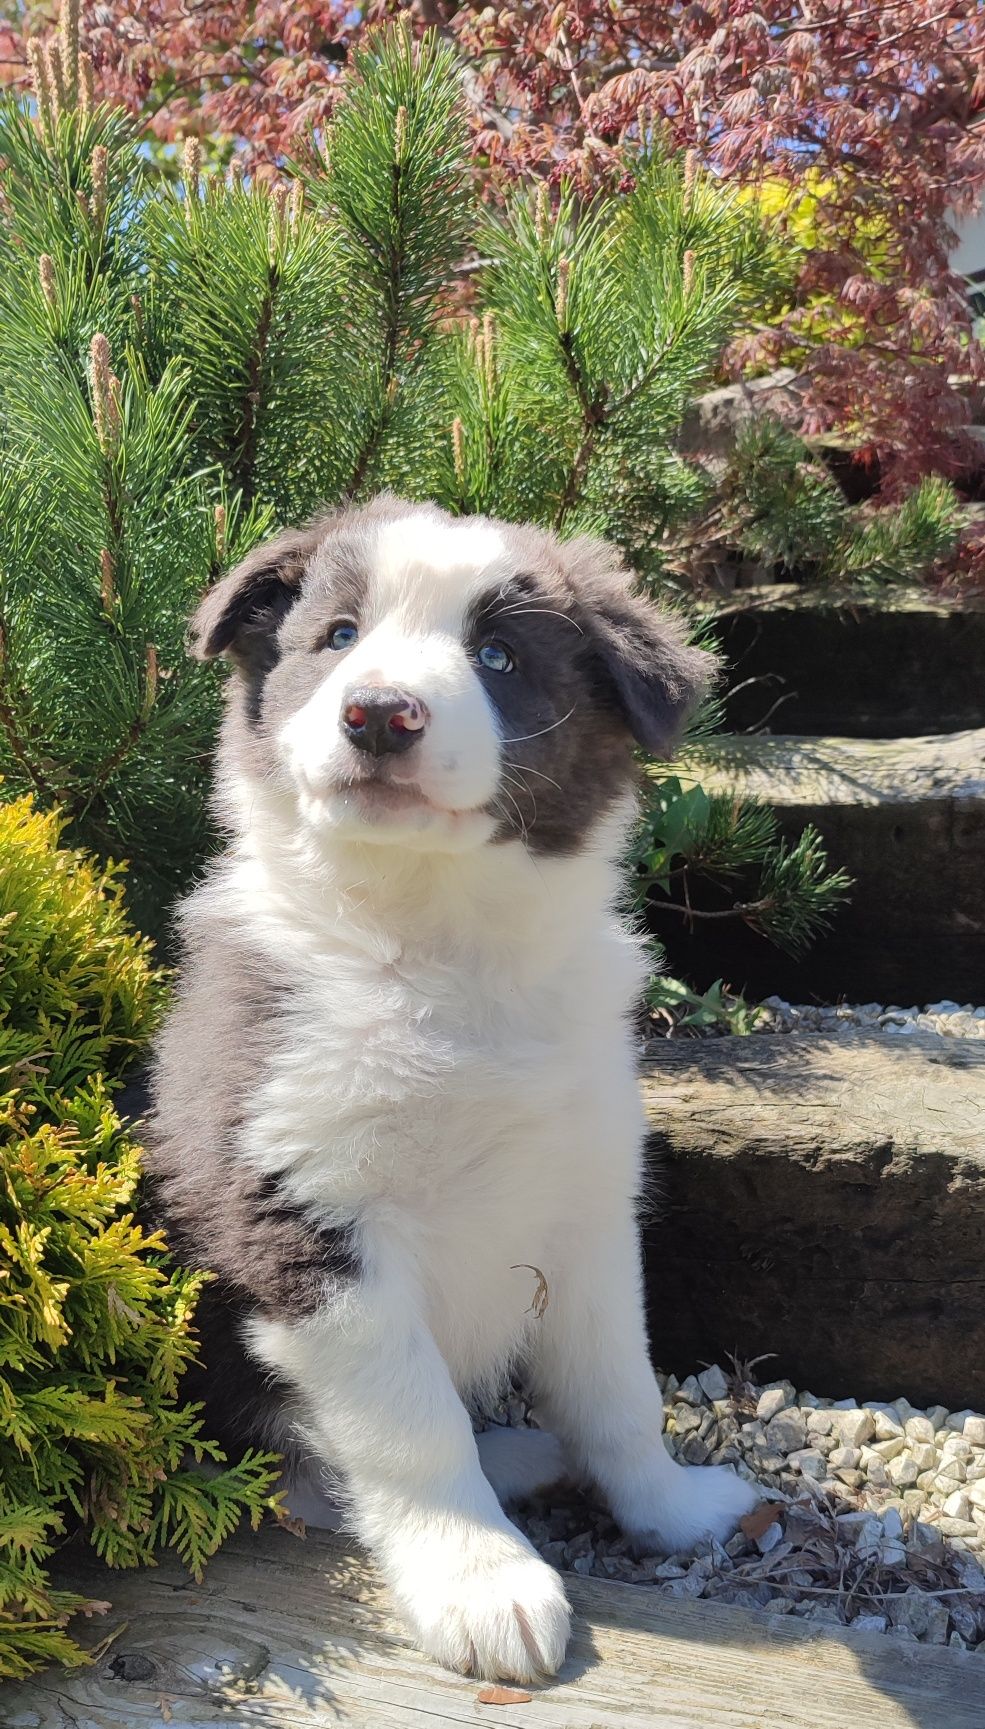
<point x="874" y="1514"/>
<point x="953" y="1020"/>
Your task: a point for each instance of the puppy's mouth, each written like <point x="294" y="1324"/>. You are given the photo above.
<point x="374" y="795"/>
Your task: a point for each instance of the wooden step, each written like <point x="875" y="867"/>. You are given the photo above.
<point x="300" y="1635"/>
<point x="899" y="664"/>
<point x="906" y="818"/>
<point x="823" y="1199"/>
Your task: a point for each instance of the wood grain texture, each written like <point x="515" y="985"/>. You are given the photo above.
<point x="905" y="817"/>
<point x="822" y="1199"/>
<point x="822" y="662"/>
<point x="298" y="1635"/>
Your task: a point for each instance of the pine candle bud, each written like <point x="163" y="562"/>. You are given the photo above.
<point x="105" y="396"/>
<point x="690" y="173"/>
<point x="68" y="33"/>
<point x="56" y="80"/>
<point x="98" y="202"/>
<point x="400" y="136"/>
<point x="297" y="205"/>
<point x="489" y="351"/>
<point x="46" y="271"/>
<point x="219" y="518"/>
<point x="688" y="272"/>
<point x="193" y="172"/>
<point x="87" y="84"/>
<point x="107" y="587"/>
<point x="561" y="296"/>
<point x="150" y="682"/>
<point x="42" y="83"/>
<point x="237" y="170"/>
<point x="542" y="214"/>
<point x="458" y="449"/>
<point x="278" y="210"/>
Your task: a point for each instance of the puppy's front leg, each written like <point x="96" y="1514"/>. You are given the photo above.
<point x="383" y="1412"/>
<point x="596" y="1389"/>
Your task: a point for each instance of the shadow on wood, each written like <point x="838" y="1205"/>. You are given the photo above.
<point x="299" y="1635"/>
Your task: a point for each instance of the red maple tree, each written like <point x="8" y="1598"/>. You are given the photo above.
<point x="882" y="100"/>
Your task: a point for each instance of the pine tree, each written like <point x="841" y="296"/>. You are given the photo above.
<point x="95" y="1324"/>
<point x="184" y="365"/>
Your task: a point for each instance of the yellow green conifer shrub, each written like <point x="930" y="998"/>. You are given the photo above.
<point x="95" y="1322"/>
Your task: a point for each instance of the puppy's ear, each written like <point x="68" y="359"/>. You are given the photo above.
<point x="245" y="608"/>
<point x="658" y="677"/>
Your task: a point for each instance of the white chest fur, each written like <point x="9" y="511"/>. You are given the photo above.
<point x="447" y="1074"/>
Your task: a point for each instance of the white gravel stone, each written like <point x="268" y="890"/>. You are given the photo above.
<point x="957" y="1505"/>
<point x="870" y="1623"/>
<point x="713" y="1382"/>
<point x="787" y="1431"/>
<point x="974" y="1431"/>
<point x="957" y="1420"/>
<point x="919" y="1429"/>
<point x="853" y="1427"/>
<point x="888" y="1425"/>
<point x="808" y="1462"/>
<point x="771" y="1403"/>
<point x="819" y="1422"/>
<point x="890" y="1449"/>
<point x="924" y="1455"/>
<point x="904" y="1471"/>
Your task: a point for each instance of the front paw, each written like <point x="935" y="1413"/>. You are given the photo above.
<point x="486" y="1605"/>
<point x="693" y="1503"/>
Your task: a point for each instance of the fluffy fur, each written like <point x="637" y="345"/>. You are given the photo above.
<point x="396" y="1096"/>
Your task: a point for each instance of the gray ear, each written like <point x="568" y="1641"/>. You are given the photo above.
<point x="245" y="608"/>
<point x="658" y="677"/>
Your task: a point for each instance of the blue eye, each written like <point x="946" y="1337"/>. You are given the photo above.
<point x="494" y="657"/>
<point x="343" y="636"/>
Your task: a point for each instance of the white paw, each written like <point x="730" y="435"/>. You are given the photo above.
<point x="520" y="1462"/>
<point x="485" y="1605"/>
<point x="692" y="1503"/>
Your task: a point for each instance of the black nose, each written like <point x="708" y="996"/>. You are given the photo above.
<point x="379" y="718"/>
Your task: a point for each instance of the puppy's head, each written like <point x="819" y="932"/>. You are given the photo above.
<point x="423" y="680"/>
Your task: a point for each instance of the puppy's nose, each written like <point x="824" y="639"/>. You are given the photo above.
<point x="379" y="718"/>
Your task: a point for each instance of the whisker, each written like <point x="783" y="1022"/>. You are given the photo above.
<point x="522" y="786"/>
<point x="544" y="611"/>
<point x="519" y="813"/>
<point x="554" y="723"/>
<point x="526" y="769"/>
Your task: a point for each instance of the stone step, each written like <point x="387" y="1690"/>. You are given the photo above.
<point x="906" y="818"/>
<point x="898" y="665"/>
<point x="823" y="1199"/>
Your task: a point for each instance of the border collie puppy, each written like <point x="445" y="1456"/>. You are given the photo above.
<point x="396" y="1107"/>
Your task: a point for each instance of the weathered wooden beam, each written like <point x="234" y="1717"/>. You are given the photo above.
<point x="823" y="1199"/>
<point x="806" y="662"/>
<point x="906" y="817"/>
<point x="298" y="1635"/>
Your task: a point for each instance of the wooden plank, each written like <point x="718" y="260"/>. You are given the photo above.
<point x="829" y="661"/>
<point x="822" y="1199"/>
<point x="299" y="1636"/>
<point x="906" y="818"/>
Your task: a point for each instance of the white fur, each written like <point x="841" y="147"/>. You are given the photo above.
<point x="459" y="1083"/>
